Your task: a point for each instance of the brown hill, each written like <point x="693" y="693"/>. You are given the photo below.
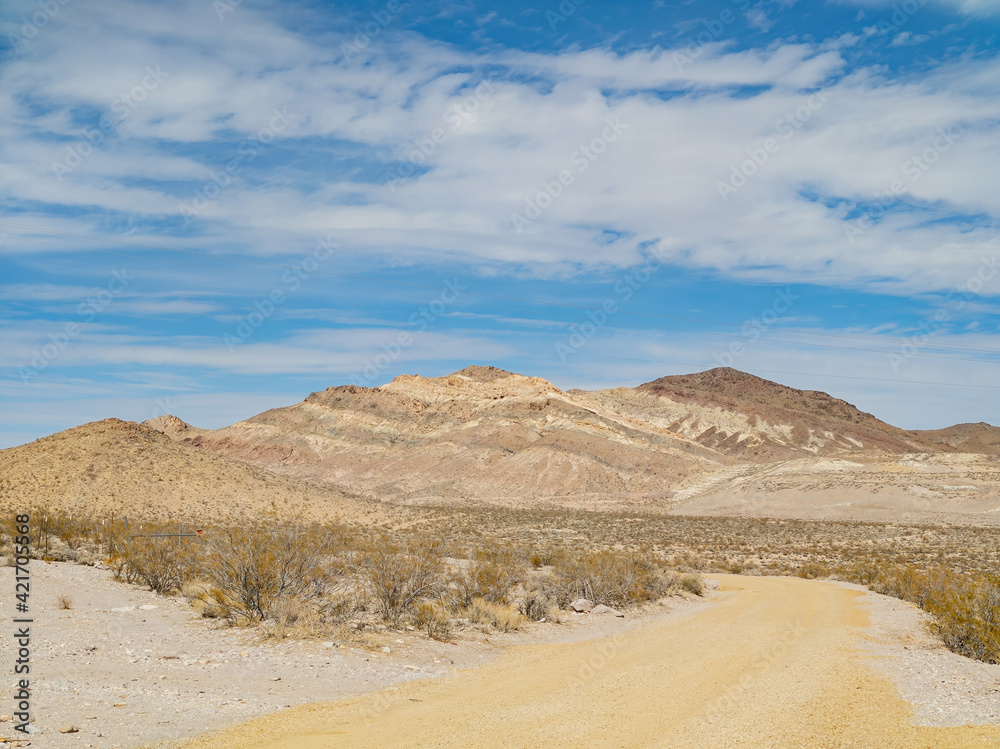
<point x="754" y="419"/>
<point x="716" y="442"/>
<point x="133" y="469"/>
<point x="980" y="438"/>
<point x="481" y="432"/>
<point x="173" y="427"/>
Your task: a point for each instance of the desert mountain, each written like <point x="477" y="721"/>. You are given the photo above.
<point x="173" y="427"/>
<point x="716" y="442"/>
<point x="481" y="432"/>
<point x="754" y="419"/>
<point x="980" y="438"/>
<point x="131" y="468"/>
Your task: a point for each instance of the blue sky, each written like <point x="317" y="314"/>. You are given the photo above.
<point x="215" y="208"/>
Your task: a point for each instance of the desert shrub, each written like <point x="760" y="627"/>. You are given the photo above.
<point x="400" y="574"/>
<point x="122" y="571"/>
<point x="537" y="605"/>
<point x="293" y="617"/>
<point x="503" y="618"/>
<point x="864" y="572"/>
<point x="64" y="602"/>
<point x="157" y="562"/>
<point x="346" y="602"/>
<point x="964" y="608"/>
<point x="71" y="531"/>
<point x="689" y="562"/>
<point x="732" y="566"/>
<point x="256" y="566"/>
<point x="609" y="577"/>
<point x="812" y="570"/>
<point x="543" y="557"/>
<point x="904" y="582"/>
<point x="209" y="602"/>
<point x="691" y="583"/>
<point x="966" y="616"/>
<point x="492" y="576"/>
<point x="433" y="619"/>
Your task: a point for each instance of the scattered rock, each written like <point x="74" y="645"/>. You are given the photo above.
<point x="386" y="650"/>
<point x="582" y="605"/>
<point x="6" y="718"/>
<point x="32" y="728"/>
<point x="602" y="609"/>
<point x="69" y="729"/>
<point x="147" y="607"/>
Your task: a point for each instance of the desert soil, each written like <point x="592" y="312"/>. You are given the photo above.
<point x="766" y="662"/>
<point x="775" y="662"/>
<point x="129" y="668"/>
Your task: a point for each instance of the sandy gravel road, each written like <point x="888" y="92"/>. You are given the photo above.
<point x="775" y="662"/>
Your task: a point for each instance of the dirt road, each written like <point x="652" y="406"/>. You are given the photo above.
<point x="772" y="663"/>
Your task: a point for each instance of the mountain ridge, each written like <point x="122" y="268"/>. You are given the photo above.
<point x="720" y="441"/>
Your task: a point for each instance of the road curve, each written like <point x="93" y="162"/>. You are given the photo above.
<point x="772" y="663"/>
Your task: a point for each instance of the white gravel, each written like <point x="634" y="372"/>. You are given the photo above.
<point x="130" y="668"/>
<point x="944" y="689"/>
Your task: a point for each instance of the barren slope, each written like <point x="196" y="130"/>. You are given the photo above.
<point x="130" y="468"/>
<point x="968" y="438"/>
<point x="919" y="488"/>
<point x="716" y="442"/>
<point x="754" y="419"/>
<point x="478" y="433"/>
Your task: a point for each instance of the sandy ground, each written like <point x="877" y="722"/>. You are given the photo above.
<point x="776" y="662"/>
<point x="129" y="668"/>
<point x="943" y="688"/>
<point x="766" y="662"/>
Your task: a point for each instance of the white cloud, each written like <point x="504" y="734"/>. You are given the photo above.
<point x="687" y="126"/>
<point x="758" y="19"/>
<point x="965" y="7"/>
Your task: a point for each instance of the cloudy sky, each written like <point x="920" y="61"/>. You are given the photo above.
<point x="214" y="208"/>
